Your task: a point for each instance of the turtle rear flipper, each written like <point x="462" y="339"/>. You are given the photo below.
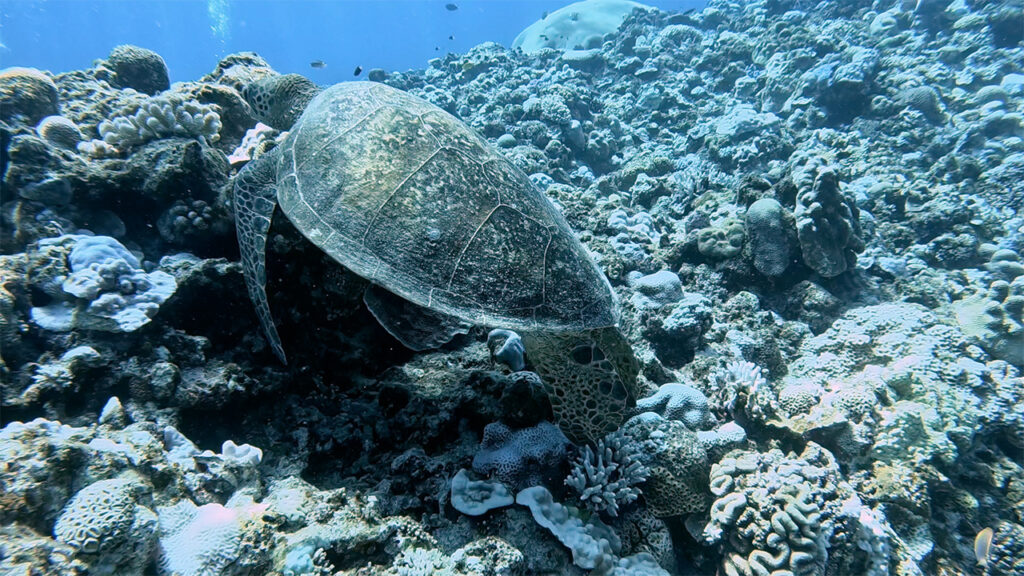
<point x="255" y="200"/>
<point x="416" y="327"/>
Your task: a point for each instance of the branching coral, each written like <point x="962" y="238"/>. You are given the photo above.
<point x="608" y="477"/>
<point x="161" y="117"/>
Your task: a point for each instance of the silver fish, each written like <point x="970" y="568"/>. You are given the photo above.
<point x="983" y="545"/>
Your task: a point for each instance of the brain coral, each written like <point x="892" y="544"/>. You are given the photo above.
<point x="26" y="95"/>
<point x="60" y="132"/>
<point x="106" y="526"/>
<point x="790" y="514"/>
<point x="212" y="540"/>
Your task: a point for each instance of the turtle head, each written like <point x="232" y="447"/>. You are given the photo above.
<point x="279" y="100"/>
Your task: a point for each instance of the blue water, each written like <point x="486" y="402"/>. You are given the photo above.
<point x="192" y="35"/>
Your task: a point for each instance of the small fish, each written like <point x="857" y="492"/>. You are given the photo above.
<point x="544" y="15"/>
<point x="357" y="71"/>
<point x="983" y="545"/>
<point x="318" y="64"/>
<point x="451" y="37"/>
<point x="437" y="48"/>
<point x="451" y="7"/>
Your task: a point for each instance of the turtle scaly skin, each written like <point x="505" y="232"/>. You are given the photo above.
<point x="254" y="205"/>
<point x="589" y="377"/>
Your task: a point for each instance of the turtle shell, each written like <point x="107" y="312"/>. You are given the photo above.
<point x="407" y="196"/>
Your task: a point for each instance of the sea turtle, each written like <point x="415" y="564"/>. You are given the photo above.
<point x="448" y="231"/>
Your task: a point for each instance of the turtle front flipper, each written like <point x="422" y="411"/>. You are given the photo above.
<point x="416" y="327"/>
<point x="589" y="376"/>
<point x="255" y="200"/>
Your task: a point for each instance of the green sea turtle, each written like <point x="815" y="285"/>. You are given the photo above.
<point x="448" y="231"/>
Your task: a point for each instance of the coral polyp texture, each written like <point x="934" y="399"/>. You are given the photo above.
<point x="606" y="477"/>
<point x="105" y="522"/>
<point x="785" y="239"/>
<point x="161" y="117"/>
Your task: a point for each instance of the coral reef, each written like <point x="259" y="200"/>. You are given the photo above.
<point x="607" y="476"/>
<point x="809" y="212"/>
<point x="521" y="458"/>
<point x="161" y="117"/>
<point x="138" y="68"/>
<point x="793" y="514"/>
<point x="104" y="287"/>
<point x="105" y="524"/>
<point x="477" y="497"/>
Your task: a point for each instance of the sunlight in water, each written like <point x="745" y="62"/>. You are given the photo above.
<point x="220" y="18"/>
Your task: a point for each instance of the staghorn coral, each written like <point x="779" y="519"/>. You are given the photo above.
<point x="738" y="385"/>
<point x="606" y="477"/>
